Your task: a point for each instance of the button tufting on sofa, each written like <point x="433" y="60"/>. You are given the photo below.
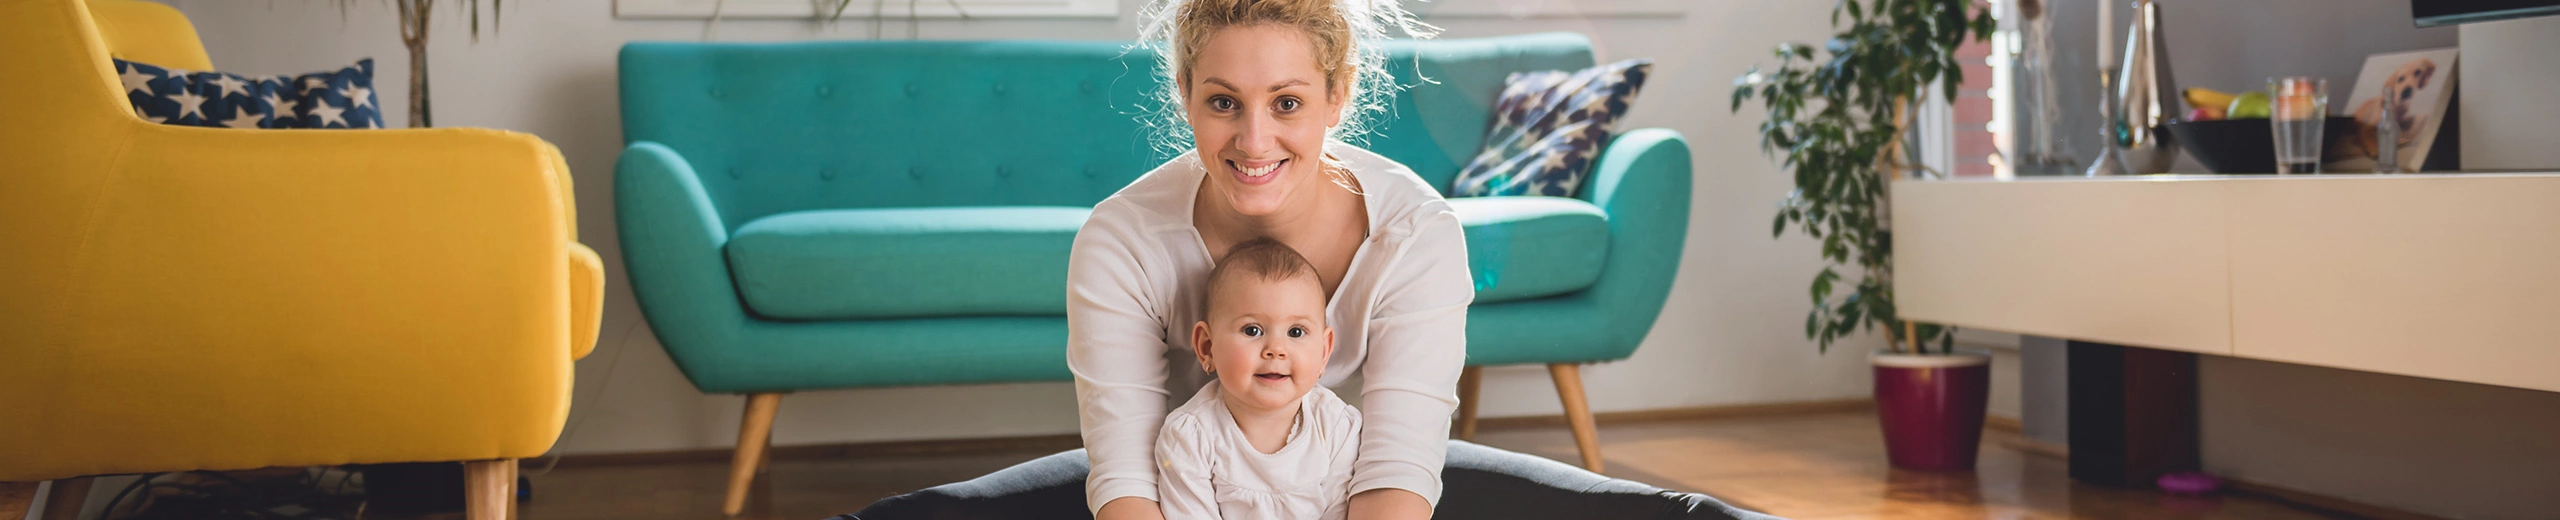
<point x="824" y="90"/>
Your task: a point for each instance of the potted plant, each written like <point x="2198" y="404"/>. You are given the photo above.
<point x="1840" y="118"/>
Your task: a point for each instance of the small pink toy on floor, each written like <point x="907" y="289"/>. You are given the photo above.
<point x="2190" y="483"/>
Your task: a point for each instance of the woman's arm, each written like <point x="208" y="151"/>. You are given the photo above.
<point x="1116" y="350"/>
<point x="1129" y="508"/>
<point x="1417" y="341"/>
<point x="1389" y="504"/>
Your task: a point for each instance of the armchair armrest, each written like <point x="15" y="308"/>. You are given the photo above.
<point x="586" y="299"/>
<point x="672" y="237"/>
<point x="414" y="287"/>
<point x="1642" y="182"/>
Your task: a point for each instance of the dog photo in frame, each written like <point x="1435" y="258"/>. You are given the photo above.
<point x="2422" y="84"/>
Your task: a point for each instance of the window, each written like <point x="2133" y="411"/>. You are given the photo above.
<point x="1966" y="136"/>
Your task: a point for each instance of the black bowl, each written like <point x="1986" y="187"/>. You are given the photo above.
<point x="2239" y="146"/>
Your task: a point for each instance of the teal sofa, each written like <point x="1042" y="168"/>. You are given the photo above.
<point x="801" y="216"/>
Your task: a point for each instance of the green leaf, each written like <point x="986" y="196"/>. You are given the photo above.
<point x="1828" y="122"/>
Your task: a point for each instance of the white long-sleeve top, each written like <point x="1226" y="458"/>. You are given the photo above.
<point x="1135" y="284"/>
<point x="1208" y="470"/>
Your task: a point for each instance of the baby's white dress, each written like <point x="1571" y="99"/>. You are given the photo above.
<point x="1206" y="469"/>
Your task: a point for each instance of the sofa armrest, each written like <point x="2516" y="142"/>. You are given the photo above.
<point x="1642" y="181"/>
<point x="672" y="238"/>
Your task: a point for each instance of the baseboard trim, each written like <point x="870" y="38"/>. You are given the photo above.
<point x="1069" y="441"/>
<point x="2003" y="424"/>
<point x="1059" y="442"/>
<point x="2325" y="502"/>
<point x="1681" y="414"/>
<point x="2037" y="447"/>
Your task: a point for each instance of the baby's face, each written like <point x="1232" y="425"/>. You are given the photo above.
<point x="1265" y="339"/>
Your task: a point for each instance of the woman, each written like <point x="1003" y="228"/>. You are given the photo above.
<point x="1263" y="87"/>
<point x="1265" y="90"/>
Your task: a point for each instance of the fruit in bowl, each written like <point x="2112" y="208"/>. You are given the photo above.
<point x="2204" y="114"/>
<point x="2249" y="105"/>
<point x="2201" y="97"/>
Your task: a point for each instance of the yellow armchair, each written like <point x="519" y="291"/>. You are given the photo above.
<point x="179" y="298"/>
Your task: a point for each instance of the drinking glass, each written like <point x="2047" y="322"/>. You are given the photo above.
<point x="2297" y="108"/>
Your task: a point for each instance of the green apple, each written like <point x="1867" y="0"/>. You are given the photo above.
<point x="2249" y="105"/>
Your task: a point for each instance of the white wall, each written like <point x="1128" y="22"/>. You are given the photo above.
<point x="1732" y="333"/>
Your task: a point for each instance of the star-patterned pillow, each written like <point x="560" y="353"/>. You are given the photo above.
<point x="1547" y="127"/>
<point x="341" y="98"/>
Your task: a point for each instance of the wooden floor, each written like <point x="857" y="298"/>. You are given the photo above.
<point x="1814" y="466"/>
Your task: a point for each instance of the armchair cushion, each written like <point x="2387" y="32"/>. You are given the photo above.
<point x="906" y="262"/>
<point x="1547" y="126"/>
<point x="340" y="98"/>
<point x="1527" y="247"/>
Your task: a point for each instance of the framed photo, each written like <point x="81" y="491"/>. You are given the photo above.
<point x="2422" y="83"/>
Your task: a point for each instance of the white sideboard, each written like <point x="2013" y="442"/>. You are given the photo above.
<point x="2453" y="277"/>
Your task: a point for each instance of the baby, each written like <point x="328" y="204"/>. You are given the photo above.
<point x="1264" y="440"/>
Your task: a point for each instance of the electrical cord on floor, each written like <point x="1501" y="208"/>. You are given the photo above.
<point x="219" y="495"/>
<point x="558" y="449"/>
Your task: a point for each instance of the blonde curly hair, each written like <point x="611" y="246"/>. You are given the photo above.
<point x="1343" y="34"/>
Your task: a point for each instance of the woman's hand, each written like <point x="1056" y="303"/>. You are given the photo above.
<point x="1381" y="504"/>
<point x="1134" y="508"/>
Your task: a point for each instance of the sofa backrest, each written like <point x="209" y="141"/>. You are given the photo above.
<point x="780" y="127"/>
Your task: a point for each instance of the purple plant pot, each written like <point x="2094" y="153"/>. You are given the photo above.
<point x="1931" y="407"/>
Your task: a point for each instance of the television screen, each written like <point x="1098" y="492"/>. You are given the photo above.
<point x="2431" y="13"/>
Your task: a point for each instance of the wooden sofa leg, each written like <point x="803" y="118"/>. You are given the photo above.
<point x="63" y="503"/>
<point x="754" y="432"/>
<point x="1469" y="382"/>
<point x="17" y="498"/>
<point x="489" y="489"/>
<point x="1577" y="412"/>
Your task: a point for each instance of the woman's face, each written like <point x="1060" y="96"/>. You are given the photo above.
<point x="1259" y="108"/>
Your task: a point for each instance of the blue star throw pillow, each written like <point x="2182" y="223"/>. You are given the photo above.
<point x="1547" y="128"/>
<point x="335" y="99"/>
